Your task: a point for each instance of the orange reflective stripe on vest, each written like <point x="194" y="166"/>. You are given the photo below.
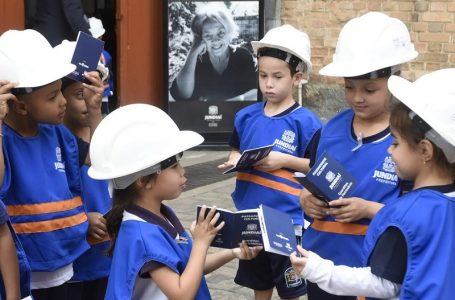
<point x="43" y="208"/>
<point x="268" y="183"/>
<point x="50" y="225"/>
<point x="342" y="228"/>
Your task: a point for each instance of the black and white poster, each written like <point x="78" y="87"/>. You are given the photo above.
<point x="211" y="68"/>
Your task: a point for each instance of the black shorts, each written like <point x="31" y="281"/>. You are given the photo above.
<point x="269" y="270"/>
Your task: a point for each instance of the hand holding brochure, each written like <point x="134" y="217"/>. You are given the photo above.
<point x="86" y="55"/>
<point x="262" y="226"/>
<point x="327" y="179"/>
<point x="249" y="157"/>
<point x="239" y="225"/>
<point x="278" y="233"/>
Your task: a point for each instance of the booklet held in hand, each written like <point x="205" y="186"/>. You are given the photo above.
<point x="327" y="179"/>
<point x="86" y="56"/>
<point x="264" y="226"/>
<point x="249" y="157"/>
<point x="238" y="226"/>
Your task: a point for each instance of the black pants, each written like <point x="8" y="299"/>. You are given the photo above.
<point x="54" y="293"/>
<point x="87" y="290"/>
<point x="315" y="293"/>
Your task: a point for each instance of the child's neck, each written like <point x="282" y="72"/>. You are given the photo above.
<point x="431" y="175"/>
<point x="369" y="127"/>
<point x="275" y="108"/>
<point x="22" y="125"/>
<point x="83" y="132"/>
<point x="151" y="204"/>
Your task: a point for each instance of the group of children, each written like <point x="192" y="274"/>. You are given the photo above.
<point x="392" y="239"/>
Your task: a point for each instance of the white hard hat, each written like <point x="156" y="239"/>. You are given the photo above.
<point x="290" y="40"/>
<point x="26" y="57"/>
<point x="371" y="42"/>
<point x="432" y="98"/>
<point x="65" y="51"/>
<point x="96" y="27"/>
<point x="131" y="142"/>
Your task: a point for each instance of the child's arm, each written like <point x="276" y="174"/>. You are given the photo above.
<point x="186" y="285"/>
<point x="233" y="158"/>
<point x="218" y="259"/>
<point x="5" y="95"/>
<point x="278" y="160"/>
<point x="353" y="209"/>
<point x="9" y="265"/>
<point x="342" y="280"/>
<point x="93" y="94"/>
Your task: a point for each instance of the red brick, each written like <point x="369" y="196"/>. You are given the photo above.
<point x="420" y="27"/>
<point x="437" y="17"/>
<point x="406" y="6"/>
<point x="438" y="6"/>
<point x="451" y="6"/>
<point x="449" y="48"/>
<point x="434" y="37"/>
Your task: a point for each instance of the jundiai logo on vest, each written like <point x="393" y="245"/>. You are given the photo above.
<point x="387" y="174"/>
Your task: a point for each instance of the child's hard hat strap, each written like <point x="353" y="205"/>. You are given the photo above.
<point x="292" y="60"/>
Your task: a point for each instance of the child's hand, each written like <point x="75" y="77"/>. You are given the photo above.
<point x="5" y="95"/>
<point x="246" y="253"/>
<point x="227" y="164"/>
<point x="298" y="263"/>
<point x="97" y="225"/>
<point x="353" y="209"/>
<point x="234" y="157"/>
<point x="312" y="206"/>
<point x="274" y="161"/>
<point x="93" y="92"/>
<point x="203" y="229"/>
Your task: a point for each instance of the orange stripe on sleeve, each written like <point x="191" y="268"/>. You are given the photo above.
<point x="342" y="228"/>
<point x="268" y="183"/>
<point x="50" y="225"/>
<point x="43" y="208"/>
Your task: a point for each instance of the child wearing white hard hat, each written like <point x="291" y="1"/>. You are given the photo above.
<point x="139" y="147"/>
<point x="40" y="170"/>
<point x="284" y="57"/>
<point x="369" y="50"/>
<point x="419" y="225"/>
<point x="91" y="269"/>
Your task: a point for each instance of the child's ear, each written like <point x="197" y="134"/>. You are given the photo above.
<point x="426" y="150"/>
<point x="18" y="106"/>
<point x="297" y="77"/>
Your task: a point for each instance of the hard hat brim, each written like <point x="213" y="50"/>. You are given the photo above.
<point x="258" y="44"/>
<point x="418" y="101"/>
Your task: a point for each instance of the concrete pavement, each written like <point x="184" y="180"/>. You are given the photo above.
<point x="221" y="284"/>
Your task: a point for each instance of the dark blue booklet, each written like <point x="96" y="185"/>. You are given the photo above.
<point x="327" y="179"/>
<point x="86" y="55"/>
<point x="239" y="226"/>
<point x="249" y="157"/>
<point x="278" y="233"/>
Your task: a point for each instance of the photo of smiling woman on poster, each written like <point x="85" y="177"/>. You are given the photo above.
<point x="218" y="66"/>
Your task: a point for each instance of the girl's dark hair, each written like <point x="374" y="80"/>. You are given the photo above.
<point x="121" y="200"/>
<point x="412" y="134"/>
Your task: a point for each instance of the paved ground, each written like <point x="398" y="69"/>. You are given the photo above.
<point x="215" y="190"/>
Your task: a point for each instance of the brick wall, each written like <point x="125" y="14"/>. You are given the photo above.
<point x="431" y="23"/>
